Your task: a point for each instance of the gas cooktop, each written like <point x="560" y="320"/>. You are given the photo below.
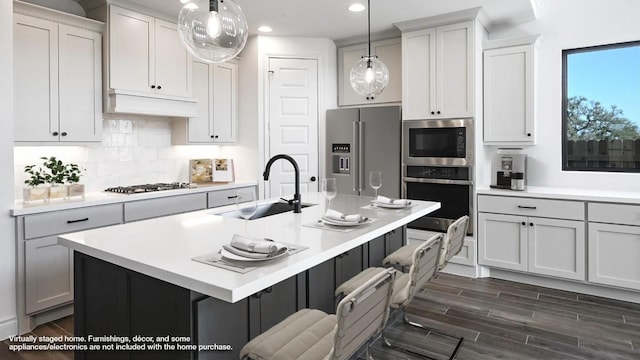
<point x="138" y="189"/>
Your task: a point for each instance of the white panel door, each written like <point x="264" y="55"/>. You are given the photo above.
<point x="172" y="61"/>
<point x="455" y="71"/>
<point x="132" y="43"/>
<point x="35" y="50"/>
<point x="502" y="241"/>
<point x="418" y="74"/>
<point x="557" y="248"/>
<point x="614" y="251"/>
<point x="80" y="84"/>
<point x="48" y="272"/>
<point x="199" y="127"/>
<point x="292" y="127"/>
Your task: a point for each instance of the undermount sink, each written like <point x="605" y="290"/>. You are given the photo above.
<point x="265" y="210"/>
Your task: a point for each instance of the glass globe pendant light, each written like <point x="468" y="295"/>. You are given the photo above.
<point x="369" y="75"/>
<point x="213" y="31"/>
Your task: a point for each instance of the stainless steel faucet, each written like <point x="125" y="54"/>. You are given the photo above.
<point x="297" y="204"/>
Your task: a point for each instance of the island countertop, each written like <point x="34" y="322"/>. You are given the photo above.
<point x="163" y="248"/>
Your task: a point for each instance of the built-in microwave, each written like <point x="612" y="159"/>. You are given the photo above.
<point x="437" y="142"/>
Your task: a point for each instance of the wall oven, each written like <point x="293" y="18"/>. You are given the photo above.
<point x="437" y="166"/>
<point x="438" y="142"/>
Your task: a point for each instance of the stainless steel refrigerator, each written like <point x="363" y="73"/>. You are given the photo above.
<point x="360" y="140"/>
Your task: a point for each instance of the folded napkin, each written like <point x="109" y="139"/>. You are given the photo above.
<point x="385" y="200"/>
<point x="254" y="248"/>
<point x="337" y="215"/>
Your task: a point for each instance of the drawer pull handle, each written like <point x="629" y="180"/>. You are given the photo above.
<point x="77" y="221"/>
<point x="527" y="207"/>
<point x="232" y="197"/>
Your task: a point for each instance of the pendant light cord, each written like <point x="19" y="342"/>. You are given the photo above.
<point x="369" y="23"/>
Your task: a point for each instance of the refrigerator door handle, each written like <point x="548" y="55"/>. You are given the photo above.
<point x="355" y="175"/>
<point x="360" y="158"/>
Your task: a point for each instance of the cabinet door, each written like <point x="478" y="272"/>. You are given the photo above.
<point x="348" y="265"/>
<point x="172" y="61"/>
<point x="508" y="95"/>
<point x="557" y="248"/>
<point x="131" y="50"/>
<point x="199" y="128"/>
<point x="225" y="102"/>
<point x="377" y="250"/>
<point x="347" y="56"/>
<point x="502" y="241"/>
<point x="80" y="87"/>
<point x="48" y="274"/>
<point x="454" y="71"/>
<point x="418" y="74"/>
<point x="321" y="286"/>
<point x="272" y="305"/>
<point x="147" y="209"/>
<point x="613" y="255"/>
<point x="35" y="60"/>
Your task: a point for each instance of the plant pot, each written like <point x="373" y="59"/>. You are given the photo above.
<point x="30" y="194"/>
<point x="75" y="190"/>
<point x="57" y="192"/>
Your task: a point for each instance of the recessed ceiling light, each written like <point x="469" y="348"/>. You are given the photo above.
<point x="356" y="7"/>
<point x="265" y="29"/>
<point x="184" y="1"/>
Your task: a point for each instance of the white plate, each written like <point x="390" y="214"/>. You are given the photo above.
<point x="335" y="222"/>
<point x="391" y="206"/>
<point x="231" y="256"/>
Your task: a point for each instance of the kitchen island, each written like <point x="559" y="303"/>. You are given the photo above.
<point x="140" y="279"/>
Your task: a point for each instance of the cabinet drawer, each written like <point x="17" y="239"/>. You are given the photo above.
<point x="224" y="197"/>
<point x="558" y="209"/>
<point x="614" y="213"/>
<point x="67" y="221"/>
<point x="147" y="209"/>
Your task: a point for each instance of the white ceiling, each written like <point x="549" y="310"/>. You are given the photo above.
<point x="331" y="19"/>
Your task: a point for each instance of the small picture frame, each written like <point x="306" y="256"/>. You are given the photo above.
<point x="223" y="170"/>
<point x="200" y="171"/>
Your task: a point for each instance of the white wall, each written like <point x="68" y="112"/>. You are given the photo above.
<point x="570" y="24"/>
<point x="8" y="325"/>
<point x="253" y="72"/>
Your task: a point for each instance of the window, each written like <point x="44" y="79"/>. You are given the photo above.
<point x="601" y="108"/>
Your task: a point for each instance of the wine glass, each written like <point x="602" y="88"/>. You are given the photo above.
<point x="375" y="181"/>
<point x="246" y="203"/>
<point x="329" y="189"/>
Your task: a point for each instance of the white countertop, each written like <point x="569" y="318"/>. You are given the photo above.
<point x="163" y="247"/>
<point x="627" y="197"/>
<point x="104" y="198"/>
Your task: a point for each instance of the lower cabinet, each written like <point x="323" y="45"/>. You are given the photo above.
<point x="273" y="304"/>
<point x="152" y="208"/>
<point x="48" y="274"/>
<point x="614" y="251"/>
<point x="538" y="245"/>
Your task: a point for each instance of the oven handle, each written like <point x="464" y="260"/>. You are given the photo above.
<point x="438" y="181"/>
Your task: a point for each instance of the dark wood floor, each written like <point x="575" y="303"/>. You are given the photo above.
<point x="498" y="319"/>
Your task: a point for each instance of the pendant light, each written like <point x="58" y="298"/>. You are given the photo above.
<point x="213" y="31"/>
<point x="369" y="75"/>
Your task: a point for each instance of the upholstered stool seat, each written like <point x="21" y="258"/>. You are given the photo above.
<point x="314" y="335"/>
<point x="401" y="256"/>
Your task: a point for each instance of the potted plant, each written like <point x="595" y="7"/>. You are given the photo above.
<point x="72" y="177"/>
<point x="55" y="177"/>
<point x="35" y="191"/>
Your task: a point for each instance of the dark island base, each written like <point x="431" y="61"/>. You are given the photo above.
<point x="114" y="301"/>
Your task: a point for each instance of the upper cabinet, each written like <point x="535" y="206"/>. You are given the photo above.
<point x="215" y="86"/>
<point x="438" y="72"/>
<point x="149" y="70"/>
<point x="57" y="76"/>
<point x="389" y="52"/>
<point x="509" y="92"/>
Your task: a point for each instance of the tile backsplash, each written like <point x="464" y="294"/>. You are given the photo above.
<point x="134" y="150"/>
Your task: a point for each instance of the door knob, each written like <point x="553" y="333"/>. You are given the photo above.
<point x="312" y="179"/>
<point x="55" y="133"/>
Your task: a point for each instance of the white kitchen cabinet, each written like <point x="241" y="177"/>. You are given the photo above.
<point x="149" y="70"/>
<point x="389" y="52"/>
<point x="57" y="77"/>
<point x="517" y="233"/>
<point x="438" y="72"/>
<point x="224" y="197"/>
<point x="614" y="245"/>
<point x="215" y="86"/>
<point x="509" y="93"/>
<point x="48" y="274"/>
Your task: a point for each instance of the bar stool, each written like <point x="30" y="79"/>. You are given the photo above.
<point x="312" y="334"/>
<point x="451" y="246"/>
<point x="424" y="264"/>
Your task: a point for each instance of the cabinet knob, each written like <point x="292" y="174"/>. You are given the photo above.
<point x="159" y="87"/>
<point x="215" y="136"/>
<point x="268" y="290"/>
<point x="153" y="86"/>
<point x="55" y="133"/>
<point x="531" y="224"/>
<point x="438" y="112"/>
<point x="64" y="133"/>
<point x="312" y="179"/>
<point x="433" y="113"/>
<point x="528" y="134"/>
<point x="524" y="223"/>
